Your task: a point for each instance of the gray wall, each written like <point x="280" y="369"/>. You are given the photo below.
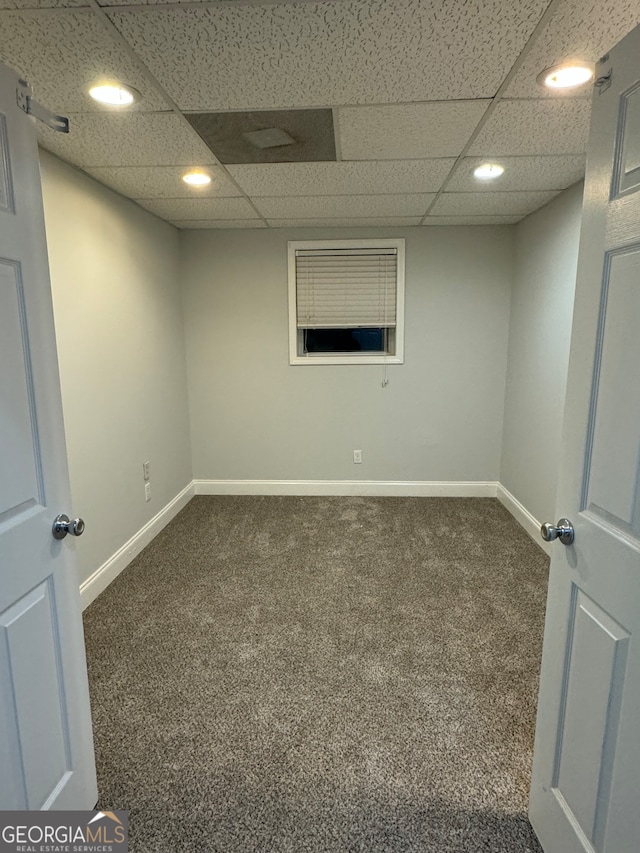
<point x="115" y="283"/>
<point x="478" y="315"/>
<point x="539" y="336"/>
<point x="253" y="416"/>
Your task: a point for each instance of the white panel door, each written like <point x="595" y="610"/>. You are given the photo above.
<point x="585" y="793"/>
<point x="46" y="745"/>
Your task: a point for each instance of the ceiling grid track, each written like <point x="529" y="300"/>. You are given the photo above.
<point x="213" y="4"/>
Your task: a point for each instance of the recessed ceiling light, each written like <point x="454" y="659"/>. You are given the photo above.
<point x="567" y="75"/>
<point x="488" y="171"/>
<point x="196" y="178"/>
<point x="114" y="94"/>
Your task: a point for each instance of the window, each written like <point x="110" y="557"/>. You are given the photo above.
<point x="346" y="301"/>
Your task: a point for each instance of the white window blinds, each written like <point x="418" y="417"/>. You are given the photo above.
<point x="346" y="288"/>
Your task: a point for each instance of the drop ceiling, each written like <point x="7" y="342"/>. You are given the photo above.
<point x="418" y="93"/>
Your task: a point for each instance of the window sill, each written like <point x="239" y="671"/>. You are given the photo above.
<point x="346" y="359"/>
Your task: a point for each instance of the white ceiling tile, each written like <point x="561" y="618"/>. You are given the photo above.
<point x="41" y="4"/>
<point x="409" y="131"/>
<point x="521" y="173"/>
<point x="62" y="54"/>
<point x="387" y="176"/>
<point x="163" y="182"/>
<point x="355" y="222"/>
<point x="131" y="139"/>
<point x="218" y="223"/>
<point x="277" y="55"/>
<point x="535" y="127"/>
<point x="490" y="203"/>
<point x="176" y="209"/>
<point x="578" y="30"/>
<point x="474" y="220"/>
<point x="146" y="2"/>
<point x="343" y="206"/>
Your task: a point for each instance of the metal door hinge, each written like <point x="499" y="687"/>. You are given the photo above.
<point x="603" y="81"/>
<point x="33" y="108"/>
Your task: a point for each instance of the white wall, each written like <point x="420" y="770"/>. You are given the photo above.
<point x="115" y="282"/>
<point x="539" y="336"/>
<point x="253" y="416"/>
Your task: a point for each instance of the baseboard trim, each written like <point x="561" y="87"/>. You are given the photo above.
<point x="409" y="488"/>
<point x="523" y="516"/>
<point x="109" y="571"/>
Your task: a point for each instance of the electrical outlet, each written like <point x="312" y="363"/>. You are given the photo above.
<point x="146" y="471"/>
<point x="357" y="457"/>
<point x="147" y="491"/>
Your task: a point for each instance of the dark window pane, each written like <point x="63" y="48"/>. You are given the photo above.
<point x="371" y="340"/>
<point x="344" y="340"/>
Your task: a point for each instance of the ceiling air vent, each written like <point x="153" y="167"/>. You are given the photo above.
<point x="272" y="137"/>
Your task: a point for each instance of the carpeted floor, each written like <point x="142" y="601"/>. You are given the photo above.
<point x="322" y="674"/>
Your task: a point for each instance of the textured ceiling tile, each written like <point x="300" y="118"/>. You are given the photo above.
<point x="535" y="127"/>
<point x="146" y="2"/>
<point x="163" y="182"/>
<point x="490" y="203"/>
<point x="41" y="4"/>
<point x="578" y="30"/>
<point x="410" y="131"/>
<point x="521" y="173"/>
<point x="133" y="139"/>
<point x="343" y="206"/>
<point x="275" y="55"/>
<point x="355" y="222"/>
<point x="199" y="208"/>
<point x="61" y="55"/>
<point x="284" y="179"/>
<point x="474" y="220"/>
<point x="218" y="223"/>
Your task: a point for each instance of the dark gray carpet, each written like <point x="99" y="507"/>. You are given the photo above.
<point x="322" y="674"/>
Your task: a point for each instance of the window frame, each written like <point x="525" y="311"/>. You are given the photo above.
<point x="347" y="358"/>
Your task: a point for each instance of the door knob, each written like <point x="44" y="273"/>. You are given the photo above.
<point x="563" y="531"/>
<point x="63" y="525"/>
